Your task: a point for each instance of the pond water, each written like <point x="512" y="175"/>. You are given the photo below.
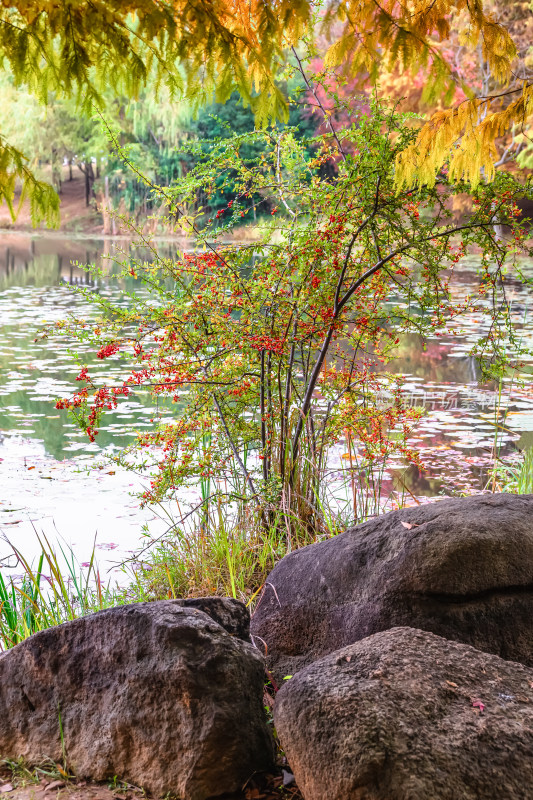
<point x="52" y="481"/>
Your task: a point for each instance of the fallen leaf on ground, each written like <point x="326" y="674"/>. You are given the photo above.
<point x="54" y="785"/>
<point x="7" y="787"/>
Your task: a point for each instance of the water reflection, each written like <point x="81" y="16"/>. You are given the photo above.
<point x="50" y="260"/>
<point x="50" y="482"/>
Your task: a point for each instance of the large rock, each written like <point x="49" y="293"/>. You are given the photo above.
<point x="461" y="568"/>
<point x="407" y="715"/>
<point x="158" y="694"/>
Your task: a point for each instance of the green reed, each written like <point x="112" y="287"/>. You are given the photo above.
<point x="55" y="591"/>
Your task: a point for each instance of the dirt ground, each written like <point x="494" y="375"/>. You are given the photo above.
<point x="59" y="790"/>
<point x="21" y="784"/>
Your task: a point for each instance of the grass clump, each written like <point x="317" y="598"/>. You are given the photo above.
<point x="55" y="591"/>
<point x="230" y="556"/>
<point x="220" y="549"/>
<point x="515" y="477"/>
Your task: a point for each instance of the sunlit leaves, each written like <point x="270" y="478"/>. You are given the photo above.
<point x="465" y="136"/>
<point x="79" y="48"/>
<point x="44" y="202"/>
<point x="212" y="47"/>
<point x="406" y="37"/>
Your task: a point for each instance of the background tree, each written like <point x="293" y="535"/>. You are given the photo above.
<point x="163" y="137"/>
<point x="77" y="48"/>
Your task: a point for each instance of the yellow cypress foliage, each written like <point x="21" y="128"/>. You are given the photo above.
<point x="466" y="137"/>
<point x="44" y="202"/>
<point x="76" y="47"/>
<point x="79" y="47"/>
<point x="404" y="35"/>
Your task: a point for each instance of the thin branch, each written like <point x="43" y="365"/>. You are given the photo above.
<point x="240" y="462"/>
<point x="278" y="175"/>
<point x="337" y="310"/>
<point x="327" y="116"/>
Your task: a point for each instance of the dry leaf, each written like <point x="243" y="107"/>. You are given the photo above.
<point x="451" y="683"/>
<point x="54" y="785"/>
<point x="7" y="787"/>
<point x="407" y="525"/>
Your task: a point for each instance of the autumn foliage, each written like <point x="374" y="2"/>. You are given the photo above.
<point x="202" y="48"/>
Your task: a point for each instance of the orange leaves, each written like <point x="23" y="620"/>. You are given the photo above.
<point x="400" y="42"/>
<point x="389" y="33"/>
<point x="203" y="46"/>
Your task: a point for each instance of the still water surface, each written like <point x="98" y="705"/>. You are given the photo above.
<point x="50" y="478"/>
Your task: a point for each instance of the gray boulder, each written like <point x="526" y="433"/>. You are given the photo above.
<point x="159" y="694"/>
<point x="461" y="568"/>
<point x="407" y="715"/>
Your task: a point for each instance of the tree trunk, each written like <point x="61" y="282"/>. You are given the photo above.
<point x="89" y="182"/>
<point x="106" y="208"/>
